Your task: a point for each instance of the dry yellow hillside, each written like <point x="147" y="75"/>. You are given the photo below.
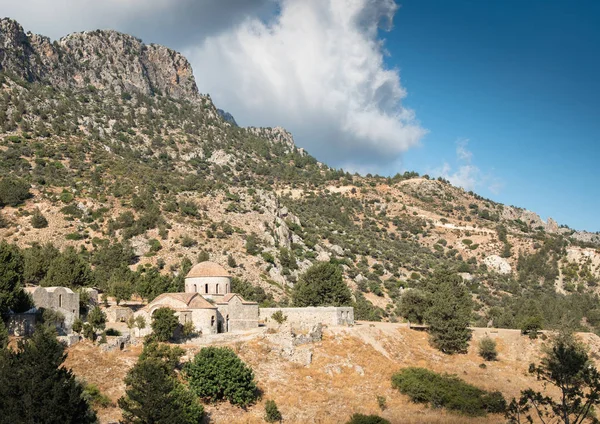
<point x="349" y="368"/>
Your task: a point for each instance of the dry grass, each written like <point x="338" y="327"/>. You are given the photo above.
<point x="350" y="368"/>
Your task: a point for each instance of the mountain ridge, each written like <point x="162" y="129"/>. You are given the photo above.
<point x="116" y="145"/>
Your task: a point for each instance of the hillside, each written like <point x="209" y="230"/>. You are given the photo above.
<point x="350" y="367"/>
<point x="110" y="142"/>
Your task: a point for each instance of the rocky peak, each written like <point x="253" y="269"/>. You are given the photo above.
<point x="105" y="59"/>
<point x="277" y="135"/>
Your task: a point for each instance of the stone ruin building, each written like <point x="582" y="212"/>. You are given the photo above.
<point x="59" y="299"/>
<point x="207" y="302"/>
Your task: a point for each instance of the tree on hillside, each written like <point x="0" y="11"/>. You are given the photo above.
<point x="567" y="367"/>
<point x="153" y="393"/>
<point x="449" y="314"/>
<point x="216" y="373"/>
<point x="322" y="285"/>
<point x="414" y="305"/>
<point x="13" y="191"/>
<point x="11" y="278"/>
<point x="164" y="324"/>
<point x="38" y="259"/>
<point x="36" y="388"/>
<point x="68" y="270"/>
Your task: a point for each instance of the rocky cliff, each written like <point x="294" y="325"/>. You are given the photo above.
<point x="103" y="59"/>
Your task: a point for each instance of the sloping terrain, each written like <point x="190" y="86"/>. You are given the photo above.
<point x="108" y="140"/>
<point x="350" y="367"/>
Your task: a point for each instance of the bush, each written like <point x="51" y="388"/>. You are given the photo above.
<point x="487" y="349"/>
<point x="531" y="326"/>
<point x="13" y="191"/>
<point x="279" y="317"/>
<point x="38" y="220"/>
<point x="322" y="285"/>
<point x="272" y="414"/>
<point x="113" y="332"/>
<point x="216" y="374"/>
<point x="447" y="391"/>
<point x="367" y="419"/>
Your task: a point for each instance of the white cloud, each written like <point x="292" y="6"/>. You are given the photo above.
<point x="174" y="23"/>
<point x="466" y="174"/>
<point x="316" y="68"/>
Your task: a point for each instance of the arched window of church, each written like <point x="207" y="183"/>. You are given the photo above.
<point x="206" y="289"/>
<point x="60" y="300"/>
<point x="195" y="289"/>
<point x="217" y="291"/>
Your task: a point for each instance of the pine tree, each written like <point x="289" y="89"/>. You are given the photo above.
<point x="153" y="393"/>
<point x="36" y="388"/>
<point x="450" y="313"/>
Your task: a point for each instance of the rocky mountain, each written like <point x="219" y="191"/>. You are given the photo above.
<point x="106" y="146"/>
<point x="107" y="60"/>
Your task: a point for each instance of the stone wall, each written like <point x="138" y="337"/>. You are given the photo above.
<point x="60" y="299"/>
<point x="118" y="313"/>
<point x="237" y="316"/>
<point x="311" y="315"/>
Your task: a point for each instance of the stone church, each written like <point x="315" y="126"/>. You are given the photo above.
<point x="207" y="302"/>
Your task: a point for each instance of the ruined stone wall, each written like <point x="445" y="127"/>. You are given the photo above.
<point x="311" y="315"/>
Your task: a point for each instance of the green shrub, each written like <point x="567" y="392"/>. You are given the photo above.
<point x="13" y="191"/>
<point x="272" y="414"/>
<point x="447" y="391"/>
<point x="367" y="419"/>
<point x="531" y="326"/>
<point x="38" y="220"/>
<point x="93" y="395"/>
<point x="66" y="197"/>
<point x="113" y="332"/>
<point x="279" y="317"/>
<point x="216" y="373"/>
<point x="487" y="349"/>
<point x="382" y="402"/>
<point x="187" y="241"/>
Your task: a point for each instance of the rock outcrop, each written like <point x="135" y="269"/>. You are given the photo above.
<point x="102" y="59"/>
<point x="498" y="264"/>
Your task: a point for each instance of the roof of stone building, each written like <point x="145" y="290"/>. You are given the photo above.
<point x="207" y="269"/>
<point x="230" y="296"/>
<point x="191" y="300"/>
<point x="31" y="289"/>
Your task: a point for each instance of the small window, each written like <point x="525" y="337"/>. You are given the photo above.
<point x="212" y="321"/>
<point x="60" y="300"/>
<point x="206" y="289"/>
<point x="217" y="291"/>
<point x="195" y="289"/>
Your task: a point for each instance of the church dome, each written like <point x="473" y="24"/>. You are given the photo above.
<point x="207" y="269"/>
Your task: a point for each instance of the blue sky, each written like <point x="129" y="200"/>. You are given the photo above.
<point x="520" y="81"/>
